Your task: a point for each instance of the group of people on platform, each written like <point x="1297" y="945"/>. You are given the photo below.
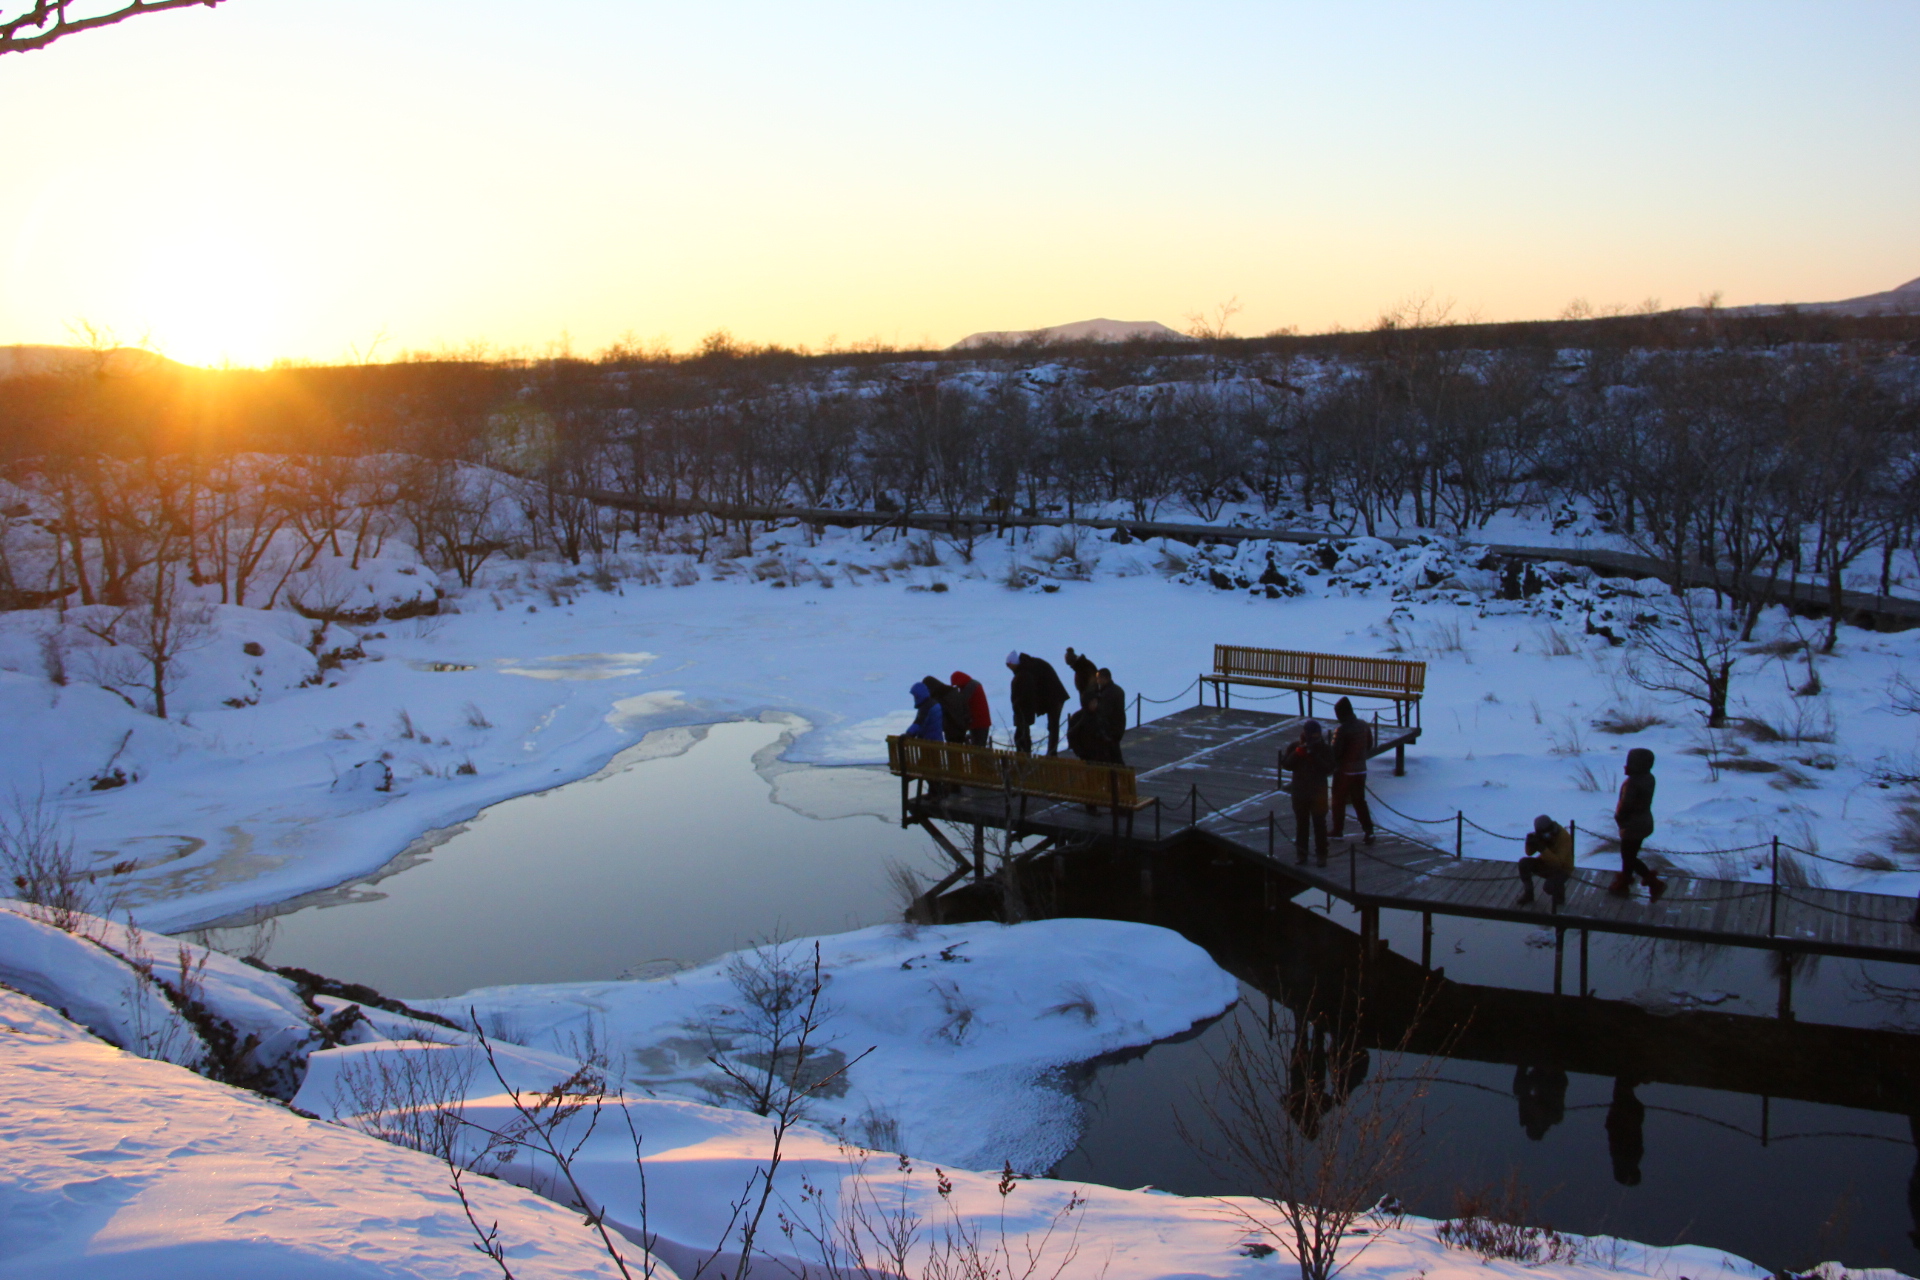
<point x="956" y="709"/>
<point x="1322" y="777"/>
<point x="1311" y="767"/>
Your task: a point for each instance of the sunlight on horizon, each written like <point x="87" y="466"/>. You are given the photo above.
<point x="260" y="181"/>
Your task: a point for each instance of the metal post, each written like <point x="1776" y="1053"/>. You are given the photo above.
<point x="1193" y="804"/>
<point x="1426" y="940"/>
<point x="1269" y="835"/>
<point x="1136" y="711"/>
<point x="1559" y="956"/>
<point x="1585" y="990"/>
<point x="980" y="851"/>
<point x="1773" y="894"/>
<point x="1459" y="833"/>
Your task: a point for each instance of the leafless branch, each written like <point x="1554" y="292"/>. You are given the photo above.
<point x="49" y="20"/>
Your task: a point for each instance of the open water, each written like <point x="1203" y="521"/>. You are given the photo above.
<point x="700" y="841"/>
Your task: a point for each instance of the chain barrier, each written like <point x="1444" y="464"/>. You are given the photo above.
<point x="1175" y="698"/>
<point x="1785" y="896"/>
<point x="1375" y="798"/>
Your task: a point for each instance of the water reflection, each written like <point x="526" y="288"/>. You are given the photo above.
<point x="1674" y="1106"/>
<point x="673" y="851"/>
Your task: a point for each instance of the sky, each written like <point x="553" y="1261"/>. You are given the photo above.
<point x="326" y="180"/>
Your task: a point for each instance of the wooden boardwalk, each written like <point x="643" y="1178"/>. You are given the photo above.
<point x="1213" y="771"/>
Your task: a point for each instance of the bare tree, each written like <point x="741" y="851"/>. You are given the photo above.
<point x="45" y="21"/>
<point x="1298" y="1114"/>
<point x="1693" y="652"/>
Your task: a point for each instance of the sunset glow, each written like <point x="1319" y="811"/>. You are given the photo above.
<point x="296" y="179"/>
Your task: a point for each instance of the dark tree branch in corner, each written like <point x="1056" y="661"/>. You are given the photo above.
<point x="49" y="20"/>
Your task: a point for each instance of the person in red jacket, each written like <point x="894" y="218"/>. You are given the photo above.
<point x="979" y="718"/>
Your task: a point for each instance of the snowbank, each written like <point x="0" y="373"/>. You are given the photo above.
<point x="168" y="999"/>
<point x="969" y="1026"/>
<point x="124" y="1169"/>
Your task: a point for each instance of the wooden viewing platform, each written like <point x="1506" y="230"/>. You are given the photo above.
<point x="1212" y="769"/>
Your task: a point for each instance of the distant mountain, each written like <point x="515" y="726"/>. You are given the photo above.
<point x="1079" y="331"/>
<point x="1902" y="301"/>
<point x="24" y="359"/>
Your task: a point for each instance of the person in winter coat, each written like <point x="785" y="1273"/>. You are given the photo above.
<point x="979" y="716"/>
<point x="1085" y="675"/>
<point x="1036" y="692"/>
<point x="954" y="719"/>
<point x="1634" y="814"/>
<point x="1110" y="712"/>
<point x="1352" y="744"/>
<point x="926" y="721"/>
<point x="1310" y="761"/>
<point x="1549" y="855"/>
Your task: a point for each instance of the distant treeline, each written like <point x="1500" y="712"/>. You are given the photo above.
<point x="1772" y="445"/>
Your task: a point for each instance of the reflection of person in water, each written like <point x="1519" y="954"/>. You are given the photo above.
<point x="1542" y="1093"/>
<point x="1626" y="1143"/>
<point x="1324" y="1070"/>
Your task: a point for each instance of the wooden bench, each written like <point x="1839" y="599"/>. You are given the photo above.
<point x="1308" y="674"/>
<point x="1018" y="776"/>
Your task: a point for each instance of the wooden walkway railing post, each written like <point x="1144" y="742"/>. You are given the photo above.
<point x="1773" y="893"/>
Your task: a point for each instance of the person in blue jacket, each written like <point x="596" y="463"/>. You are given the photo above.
<point x="926" y="721"/>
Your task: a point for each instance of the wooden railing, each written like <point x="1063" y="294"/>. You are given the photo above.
<point x="1018" y="776"/>
<point x="1309" y="674"/>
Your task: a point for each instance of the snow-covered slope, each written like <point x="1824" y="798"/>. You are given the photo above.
<point x="118" y="1168"/>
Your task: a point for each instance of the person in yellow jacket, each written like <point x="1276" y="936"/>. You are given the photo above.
<point x="1549" y="855"/>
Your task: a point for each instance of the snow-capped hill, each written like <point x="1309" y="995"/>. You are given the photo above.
<point x="1078" y="331"/>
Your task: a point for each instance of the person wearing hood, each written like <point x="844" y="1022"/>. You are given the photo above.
<point x="979" y="716"/>
<point x="1310" y="761"/>
<point x="926" y="721"/>
<point x="1549" y="855"/>
<point x="954" y="718"/>
<point x="1036" y="692"/>
<point x="1634" y="814"/>
<point x="1352" y="744"/>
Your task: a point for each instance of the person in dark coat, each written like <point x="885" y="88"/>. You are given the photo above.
<point x="1036" y="692"/>
<point x="1634" y="814"/>
<point x="1352" y="744"/>
<point x="954" y="719"/>
<point x="1310" y="761"/>
<point x="1110" y="713"/>
<point x="1085" y="674"/>
<point x="979" y="715"/>
<point x="926" y="721"/>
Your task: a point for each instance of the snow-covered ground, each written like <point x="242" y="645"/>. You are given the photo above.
<point x="119" y="1167"/>
<point x="962" y="1026"/>
<point x="540" y="678"/>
